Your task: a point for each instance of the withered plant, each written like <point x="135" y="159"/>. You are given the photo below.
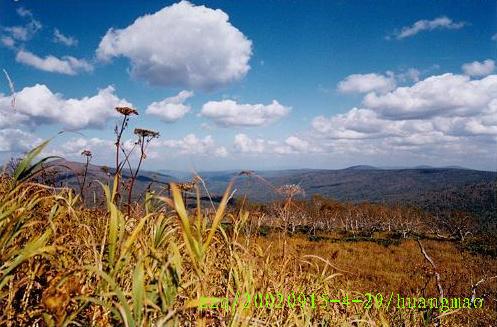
<point x="144" y="138"/>
<point x="88" y="155"/>
<point x="126" y="112"/>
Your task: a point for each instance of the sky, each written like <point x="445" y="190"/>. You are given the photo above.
<point x="253" y="84"/>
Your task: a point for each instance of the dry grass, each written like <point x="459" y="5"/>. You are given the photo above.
<point x="62" y="264"/>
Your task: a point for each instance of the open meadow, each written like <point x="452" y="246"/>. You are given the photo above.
<point x="287" y="263"/>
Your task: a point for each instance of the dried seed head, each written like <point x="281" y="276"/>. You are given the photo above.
<point x="188" y="186"/>
<point x="196" y="179"/>
<point x="146" y="132"/>
<point x="86" y="153"/>
<point x="290" y="190"/>
<point x="126" y="111"/>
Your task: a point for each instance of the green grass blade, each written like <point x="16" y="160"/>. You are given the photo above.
<point x="138" y="291"/>
<point x="28" y="159"/>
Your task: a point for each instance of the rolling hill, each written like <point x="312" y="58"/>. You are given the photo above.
<point x="427" y="187"/>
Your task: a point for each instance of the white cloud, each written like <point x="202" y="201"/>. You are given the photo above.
<point x="363" y="83"/>
<point x="441" y="118"/>
<point x="58" y="37"/>
<point x="27" y="31"/>
<point x="494" y="37"/>
<point x="16" y="140"/>
<point x="439" y="95"/>
<point x="171" y="109"/>
<point x="104" y="149"/>
<point x="479" y="69"/>
<point x="181" y="45"/>
<point x="77" y="145"/>
<point x="231" y="113"/>
<point x="190" y="144"/>
<point x="23" y="12"/>
<point x="442" y="22"/>
<point x="221" y="152"/>
<point x="245" y="144"/>
<point x="66" y="65"/>
<point x="297" y="143"/>
<point x="37" y="105"/>
<point x="378" y="137"/>
<point x="8" y="41"/>
<point x="411" y="74"/>
<point x="354" y="124"/>
<point x="292" y="145"/>
<point x="20" y="33"/>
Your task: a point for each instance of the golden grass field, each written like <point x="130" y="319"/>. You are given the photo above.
<point x="66" y="265"/>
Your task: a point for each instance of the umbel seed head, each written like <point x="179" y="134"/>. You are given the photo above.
<point x="290" y="190"/>
<point x="146" y="132"/>
<point x="86" y="153"/>
<point x="126" y="111"/>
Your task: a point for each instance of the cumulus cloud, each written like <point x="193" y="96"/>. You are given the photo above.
<point x="16" y="140"/>
<point x="66" y="65"/>
<point x="243" y="143"/>
<point x="411" y="74"/>
<point x="58" y="37"/>
<point x="292" y="145"/>
<point x="429" y="138"/>
<point x="364" y="83"/>
<point x="230" y="113"/>
<point x="76" y="145"/>
<point x="442" y="116"/>
<point x="479" y="69"/>
<point x="442" y="22"/>
<point x="158" y="149"/>
<point x="37" y="105"/>
<point x="297" y="143"/>
<point x="357" y="123"/>
<point x="171" y="109"/>
<point x="191" y="144"/>
<point x="181" y="45"/>
<point x="447" y="94"/>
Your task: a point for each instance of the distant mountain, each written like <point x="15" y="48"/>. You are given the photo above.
<point x="438" y="190"/>
<point x="423" y="167"/>
<point x="67" y="173"/>
<point x="359" y="183"/>
<point x="361" y="167"/>
<point x="425" y="186"/>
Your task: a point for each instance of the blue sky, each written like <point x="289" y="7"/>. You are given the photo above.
<point x="254" y="84"/>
